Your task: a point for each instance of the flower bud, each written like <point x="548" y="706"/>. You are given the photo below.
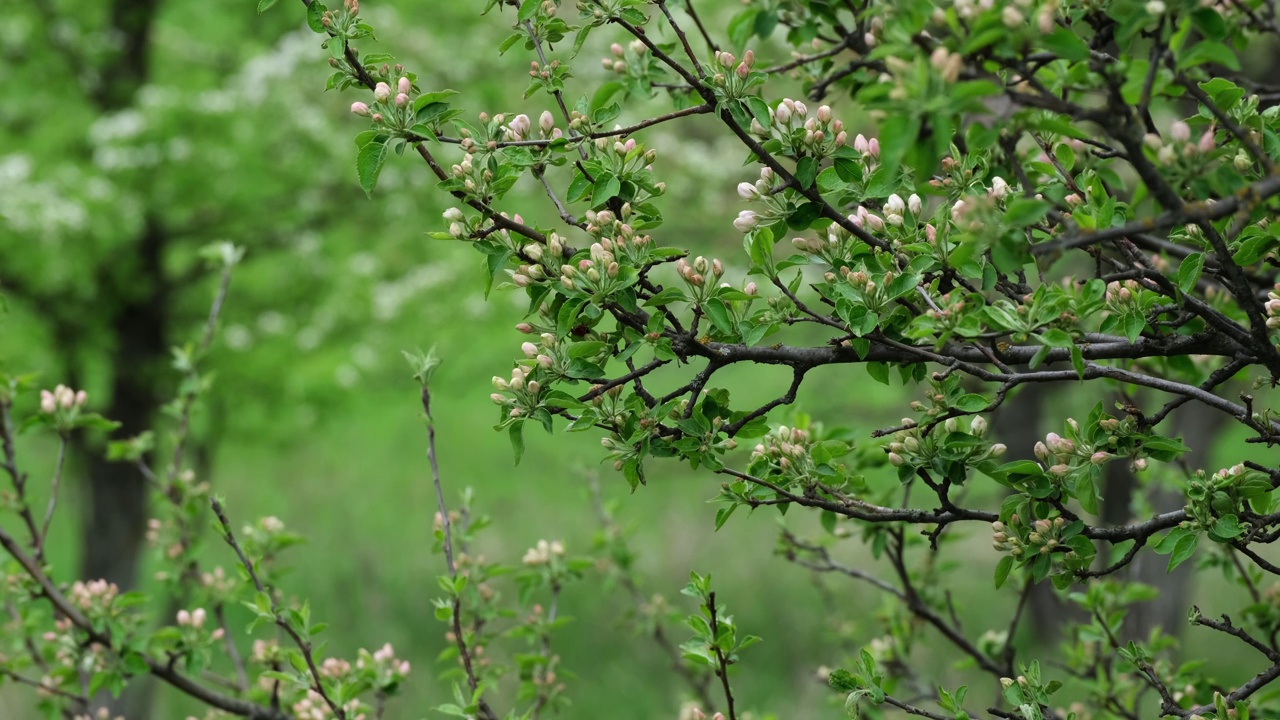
<point x="1180" y="131"/>
<point x="402" y="100"/>
<point x="746" y="221"/>
<point x="748" y="191"/>
<point x="1205" y="145"/>
<point x="359" y="108"/>
<point x="998" y="450"/>
<point x="382" y="92"/>
<point x="404" y="86"/>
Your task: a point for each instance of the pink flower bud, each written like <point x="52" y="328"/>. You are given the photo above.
<point x="751" y="289"/>
<point x="184" y="617"/>
<point x="873" y="147"/>
<point x="81" y="398"/>
<point x="498" y="398"/>
<point x="546" y="121"/>
<point x="1180" y="131"/>
<point x="404" y="86"/>
<point x="544" y="361"/>
<point x="616" y="49"/>
<point x="1206" y="141"/>
<point x="529" y="349"/>
<point x="747" y="191"/>
<point x="382" y="92"/>
<point x="402" y="100"/>
<point x="48" y="404"/>
<point x="860" y="144"/>
<point x="359" y="108"/>
<point x="198" y="618"/>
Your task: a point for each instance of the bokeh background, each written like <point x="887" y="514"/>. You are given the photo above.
<point x="114" y="173"/>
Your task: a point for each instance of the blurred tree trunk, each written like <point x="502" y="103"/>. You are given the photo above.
<point x="115" y="526"/>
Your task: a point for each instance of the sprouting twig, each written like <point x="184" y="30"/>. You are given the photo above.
<point x="303" y="644"/>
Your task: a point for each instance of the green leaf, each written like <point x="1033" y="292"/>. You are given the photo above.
<point x="1210" y="23"/>
<point x="315" y="15"/>
<point x="1209" y="52"/>
<point x="264" y="5"/>
<point x="1227" y="527"/>
<point x="369" y="163"/>
<point x="1180" y="543"/>
<point x="742" y="27"/>
<point x="1002" y="570"/>
<point x="1253" y="249"/>
<point x="879" y="372"/>
<point x="516" y="432"/>
<point x="606" y="93"/>
<point x="1065" y="43"/>
<point x="528" y="9"/>
<point x="806" y="171"/>
<point x="606" y="186"/>
<point x="1026" y="211"/>
<point x="435" y="96"/>
<point x="1189" y="270"/>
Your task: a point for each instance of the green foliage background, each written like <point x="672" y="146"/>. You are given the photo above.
<point x="314" y="417"/>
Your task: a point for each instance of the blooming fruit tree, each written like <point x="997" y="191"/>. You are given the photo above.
<point x="1075" y="193"/>
<point x="1059" y="192"/>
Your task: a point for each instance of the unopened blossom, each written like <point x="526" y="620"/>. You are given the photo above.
<point x="746" y="221"/>
<point x="359" y="108"/>
<point x="748" y="191"/>
<point x="382" y="92"/>
<point x="1180" y="131"/>
<point x="1206" y="144"/>
<point x="999" y="188"/>
<point x="404" y="86"/>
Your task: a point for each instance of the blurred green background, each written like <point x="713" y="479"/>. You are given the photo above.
<point x="228" y="135"/>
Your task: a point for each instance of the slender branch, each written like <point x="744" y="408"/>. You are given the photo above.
<point x="464" y="652"/>
<point x="303" y="644"/>
<point x="53" y="495"/>
<point x="722" y="661"/>
<point x="161" y="670"/>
